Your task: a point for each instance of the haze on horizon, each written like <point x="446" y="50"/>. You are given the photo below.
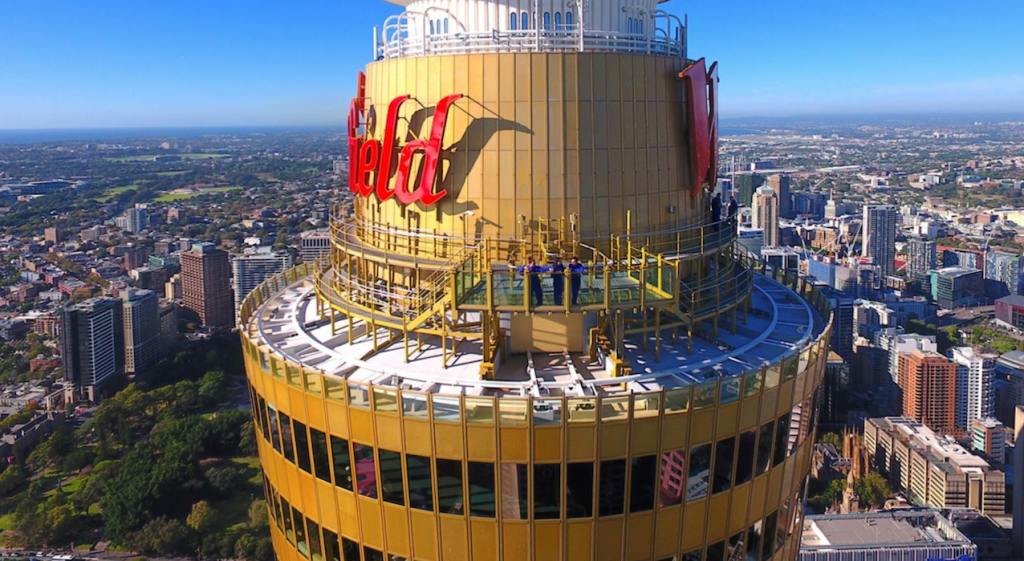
<point x="108" y="64"/>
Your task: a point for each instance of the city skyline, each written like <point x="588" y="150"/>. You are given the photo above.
<point x="236" y="64"/>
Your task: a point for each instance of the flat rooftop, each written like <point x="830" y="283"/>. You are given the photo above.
<point x="905" y="528"/>
<point x="779" y="324"/>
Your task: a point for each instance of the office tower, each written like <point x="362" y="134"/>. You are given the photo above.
<point x="988" y="436"/>
<point x="92" y="345"/>
<point x="975" y="390"/>
<point x="141" y="329"/>
<point x="206" y="285"/>
<point x="879" y="235"/>
<point x="134" y="219"/>
<point x="1002" y="274"/>
<point x="927" y="381"/>
<point x="766" y="214"/>
<point x="168" y="326"/>
<point x="251" y="269"/>
<point x="415" y="398"/>
<point x="931" y="469"/>
<point x="921" y="258"/>
<point x="956" y="287"/>
<point x="842" y="324"/>
<point x="51" y="235"/>
<point x="314" y="244"/>
<point x="172" y="288"/>
<point x="780" y="184"/>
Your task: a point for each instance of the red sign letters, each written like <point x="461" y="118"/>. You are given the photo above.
<point x="371" y="161"/>
<point x="702" y="94"/>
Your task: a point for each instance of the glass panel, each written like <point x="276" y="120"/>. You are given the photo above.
<point x="358" y="396"/>
<point x="294" y="376"/>
<point x="302" y="447"/>
<point x="700" y="471"/>
<point x="704" y="395"/>
<point x="391" y="477"/>
<point x="512" y="412"/>
<point x="313" y="534"/>
<point x="615" y="407"/>
<point x="745" y="458"/>
<point x="771" y="378"/>
<point x="716" y="552"/>
<point x="768" y="543"/>
<point x="265" y="419"/>
<point x="331" y="551"/>
<point x="515" y="491"/>
<point x="275" y="429"/>
<point x="286" y="437"/>
<point x="547" y="486"/>
<point x="421" y="492"/>
<point x="753" y="542"/>
<point x="646" y="405"/>
<point x="370" y="554"/>
<point x="414" y="405"/>
<point x="350" y="550"/>
<point x="752" y="382"/>
<point x="642" y="482"/>
<point x="481" y="489"/>
<point x="790" y="368"/>
<point x="673" y="477"/>
<point x="579" y="490"/>
<point x="385" y="400"/>
<point x="611" y="490"/>
<point x="730" y="389"/>
<point x="286" y="513"/>
<point x="480" y="410"/>
<point x="764" y="447"/>
<point x="335" y="389"/>
<point x="321" y="456"/>
<point x="366" y="473"/>
<point x="342" y="465"/>
<point x="547" y="411"/>
<point x="449" y="486"/>
<point x="781" y="440"/>
<point x="582" y="410"/>
<point x="695" y="555"/>
<point x="677" y="400"/>
<point x="446" y="408"/>
<point x="725" y="450"/>
<point x="735" y="546"/>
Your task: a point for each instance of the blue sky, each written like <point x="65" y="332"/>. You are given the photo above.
<point x="114" y="63"/>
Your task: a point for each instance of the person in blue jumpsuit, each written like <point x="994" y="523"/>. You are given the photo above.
<point x="558" y="280"/>
<point x="576" y="272"/>
<point x="535" y="287"/>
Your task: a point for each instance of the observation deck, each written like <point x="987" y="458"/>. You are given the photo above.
<point x="437" y="27"/>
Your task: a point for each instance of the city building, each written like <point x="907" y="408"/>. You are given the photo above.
<point x="52" y="235"/>
<point x="172" y="288"/>
<point x="206" y="285"/>
<point x="965" y="258"/>
<point x="314" y="244"/>
<point x="134" y="220"/>
<point x="780" y="184"/>
<point x="988" y="436"/>
<point x="250" y="270"/>
<point x="414" y="397"/>
<point x="1002" y="274"/>
<point x="896" y="535"/>
<point x="1018" y="490"/>
<point x="879" y="235"/>
<point x="975" y="392"/>
<point x="141" y="329"/>
<point x="1009" y="311"/>
<point x="1009" y="375"/>
<point x="168" y="325"/>
<point x="956" y="287"/>
<point x="92" y="345"/>
<point x="835" y="394"/>
<point x="751" y="240"/>
<point x="766" y="214"/>
<point x="842" y="324"/>
<point x="933" y="470"/>
<point x="927" y="382"/>
<point x="921" y="258"/>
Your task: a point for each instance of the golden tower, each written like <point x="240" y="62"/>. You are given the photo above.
<point x="442" y="388"/>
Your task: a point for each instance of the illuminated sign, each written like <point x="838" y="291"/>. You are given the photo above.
<point x="372" y="162"/>
<point x="702" y="94"/>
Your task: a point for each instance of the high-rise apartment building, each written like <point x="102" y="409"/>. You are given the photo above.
<point x="766" y="214"/>
<point x="92" y="345"/>
<point x="134" y="220"/>
<point x="1002" y="274"/>
<point x="314" y="244"/>
<point x="988" y="436"/>
<point x="975" y="389"/>
<point x="921" y="258"/>
<point x="141" y="329"/>
<point x="414" y="397"/>
<point x="251" y="269"/>
<point x="780" y="184"/>
<point x="927" y="381"/>
<point x="879" y="235"/>
<point x="168" y="326"/>
<point x="206" y="285"/>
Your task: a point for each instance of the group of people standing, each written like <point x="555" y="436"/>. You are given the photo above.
<point x="558" y="274"/>
<point x="716" y="209"/>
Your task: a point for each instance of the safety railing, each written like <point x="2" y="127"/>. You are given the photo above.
<point x="695" y="240"/>
<point x="721" y="290"/>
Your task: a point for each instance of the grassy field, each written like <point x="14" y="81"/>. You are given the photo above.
<point x="171" y="173"/>
<point x="172" y="197"/>
<point x="109" y="193"/>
